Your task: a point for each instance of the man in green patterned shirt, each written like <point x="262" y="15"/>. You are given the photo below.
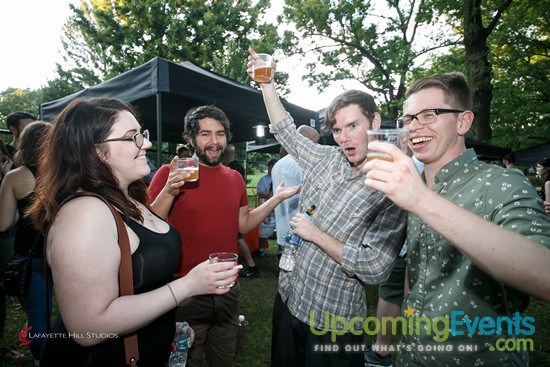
<point x="478" y="237"/>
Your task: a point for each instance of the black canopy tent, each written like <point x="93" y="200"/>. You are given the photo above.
<point x="530" y="156"/>
<point x="163" y="91"/>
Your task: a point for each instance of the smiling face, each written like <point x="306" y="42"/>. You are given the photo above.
<point x="210" y="142"/>
<point x="127" y="161"/>
<point x="442" y="141"/>
<point x="350" y="133"/>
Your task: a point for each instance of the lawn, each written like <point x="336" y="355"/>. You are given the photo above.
<point x="256" y="302"/>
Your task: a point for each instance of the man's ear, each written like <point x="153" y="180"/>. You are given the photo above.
<point x="376" y="121"/>
<point x="190" y="142"/>
<point x="465" y="122"/>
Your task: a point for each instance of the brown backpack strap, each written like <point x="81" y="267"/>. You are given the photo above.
<point x="126" y="283"/>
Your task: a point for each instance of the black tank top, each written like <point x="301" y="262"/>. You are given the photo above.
<point x="153" y="265"/>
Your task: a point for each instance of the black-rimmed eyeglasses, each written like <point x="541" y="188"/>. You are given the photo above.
<point x="424" y="117"/>
<point x="137" y="138"/>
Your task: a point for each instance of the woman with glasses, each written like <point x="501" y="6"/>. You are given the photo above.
<point x="97" y="146"/>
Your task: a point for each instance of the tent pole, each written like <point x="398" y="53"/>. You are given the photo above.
<point x="159" y="129"/>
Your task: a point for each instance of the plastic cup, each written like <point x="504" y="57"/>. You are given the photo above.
<point x="262" y="71"/>
<point x="224" y="257"/>
<point x="397" y="137"/>
<point x="191" y="165"/>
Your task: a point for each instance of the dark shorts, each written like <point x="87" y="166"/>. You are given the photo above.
<point x="392" y="289"/>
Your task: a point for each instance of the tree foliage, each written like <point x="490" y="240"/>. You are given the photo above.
<point x="15" y="99"/>
<point x="510" y="72"/>
<point x="111" y="37"/>
<point x="375" y="43"/>
<point x="520" y="54"/>
<point x="502" y="47"/>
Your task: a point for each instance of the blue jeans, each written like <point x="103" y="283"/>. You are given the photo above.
<point x="35" y="306"/>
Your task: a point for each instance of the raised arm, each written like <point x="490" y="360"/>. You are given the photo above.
<point x="275" y="109"/>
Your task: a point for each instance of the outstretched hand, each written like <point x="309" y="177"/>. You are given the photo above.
<point x="285" y="192"/>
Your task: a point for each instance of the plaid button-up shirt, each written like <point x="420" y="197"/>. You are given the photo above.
<point x="369" y="225"/>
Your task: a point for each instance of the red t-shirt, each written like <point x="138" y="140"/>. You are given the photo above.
<point x="206" y="212"/>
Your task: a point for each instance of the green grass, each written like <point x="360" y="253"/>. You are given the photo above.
<point x="256" y="304"/>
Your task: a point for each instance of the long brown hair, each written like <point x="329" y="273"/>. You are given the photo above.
<point x="70" y="162"/>
<point x="29" y="144"/>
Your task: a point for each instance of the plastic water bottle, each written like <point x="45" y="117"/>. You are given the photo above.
<point x="241" y="336"/>
<point x="292" y="243"/>
<point x="178" y="358"/>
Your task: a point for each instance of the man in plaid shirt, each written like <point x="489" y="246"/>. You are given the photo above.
<point x="351" y="240"/>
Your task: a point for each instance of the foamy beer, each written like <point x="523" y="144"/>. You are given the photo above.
<point x="261" y="70"/>
<point x="398" y="137"/>
<point x="191" y="165"/>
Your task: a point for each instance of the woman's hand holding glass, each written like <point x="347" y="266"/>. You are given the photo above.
<point x="212" y="278"/>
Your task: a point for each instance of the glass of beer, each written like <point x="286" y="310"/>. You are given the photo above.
<point x="398" y="137"/>
<point x="224" y="257"/>
<point x="191" y="165"/>
<point x="261" y="70"/>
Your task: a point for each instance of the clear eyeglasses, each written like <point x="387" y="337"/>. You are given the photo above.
<point x="424" y="117"/>
<point x="137" y="138"/>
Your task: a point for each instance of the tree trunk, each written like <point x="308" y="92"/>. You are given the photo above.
<point x="479" y="69"/>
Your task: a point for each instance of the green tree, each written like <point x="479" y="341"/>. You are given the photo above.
<point x="520" y="55"/>
<point x="14" y="99"/>
<point x="111" y="37"/>
<point x="375" y="43"/>
<point x="510" y="75"/>
<point x="476" y="20"/>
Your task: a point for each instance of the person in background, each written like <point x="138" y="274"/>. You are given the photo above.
<point x="287" y="171"/>
<point x="251" y="270"/>
<point x="183" y="152"/>
<point x="16" y="122"/>
<point x="543" y="171"/>
<point x="469" y="256"/>
<point x="264" y="190"/>
<point x="97" y="146"/>
<point x="6" y="163"/>
<point x="351" y="240"/>
<point x="16" y="196"/>
<point x="509" y="161"/>
<point x="6" y="253"/>
<point x="153" y="169"/>
<point x="209" y="214"/>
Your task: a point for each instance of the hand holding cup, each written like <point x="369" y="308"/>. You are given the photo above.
<point x="260" y="67"/>
<point x="397" y="137"/>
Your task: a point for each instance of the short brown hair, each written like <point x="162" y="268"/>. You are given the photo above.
<point x="454" y="86"/>
<point x="364" y="100"/>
